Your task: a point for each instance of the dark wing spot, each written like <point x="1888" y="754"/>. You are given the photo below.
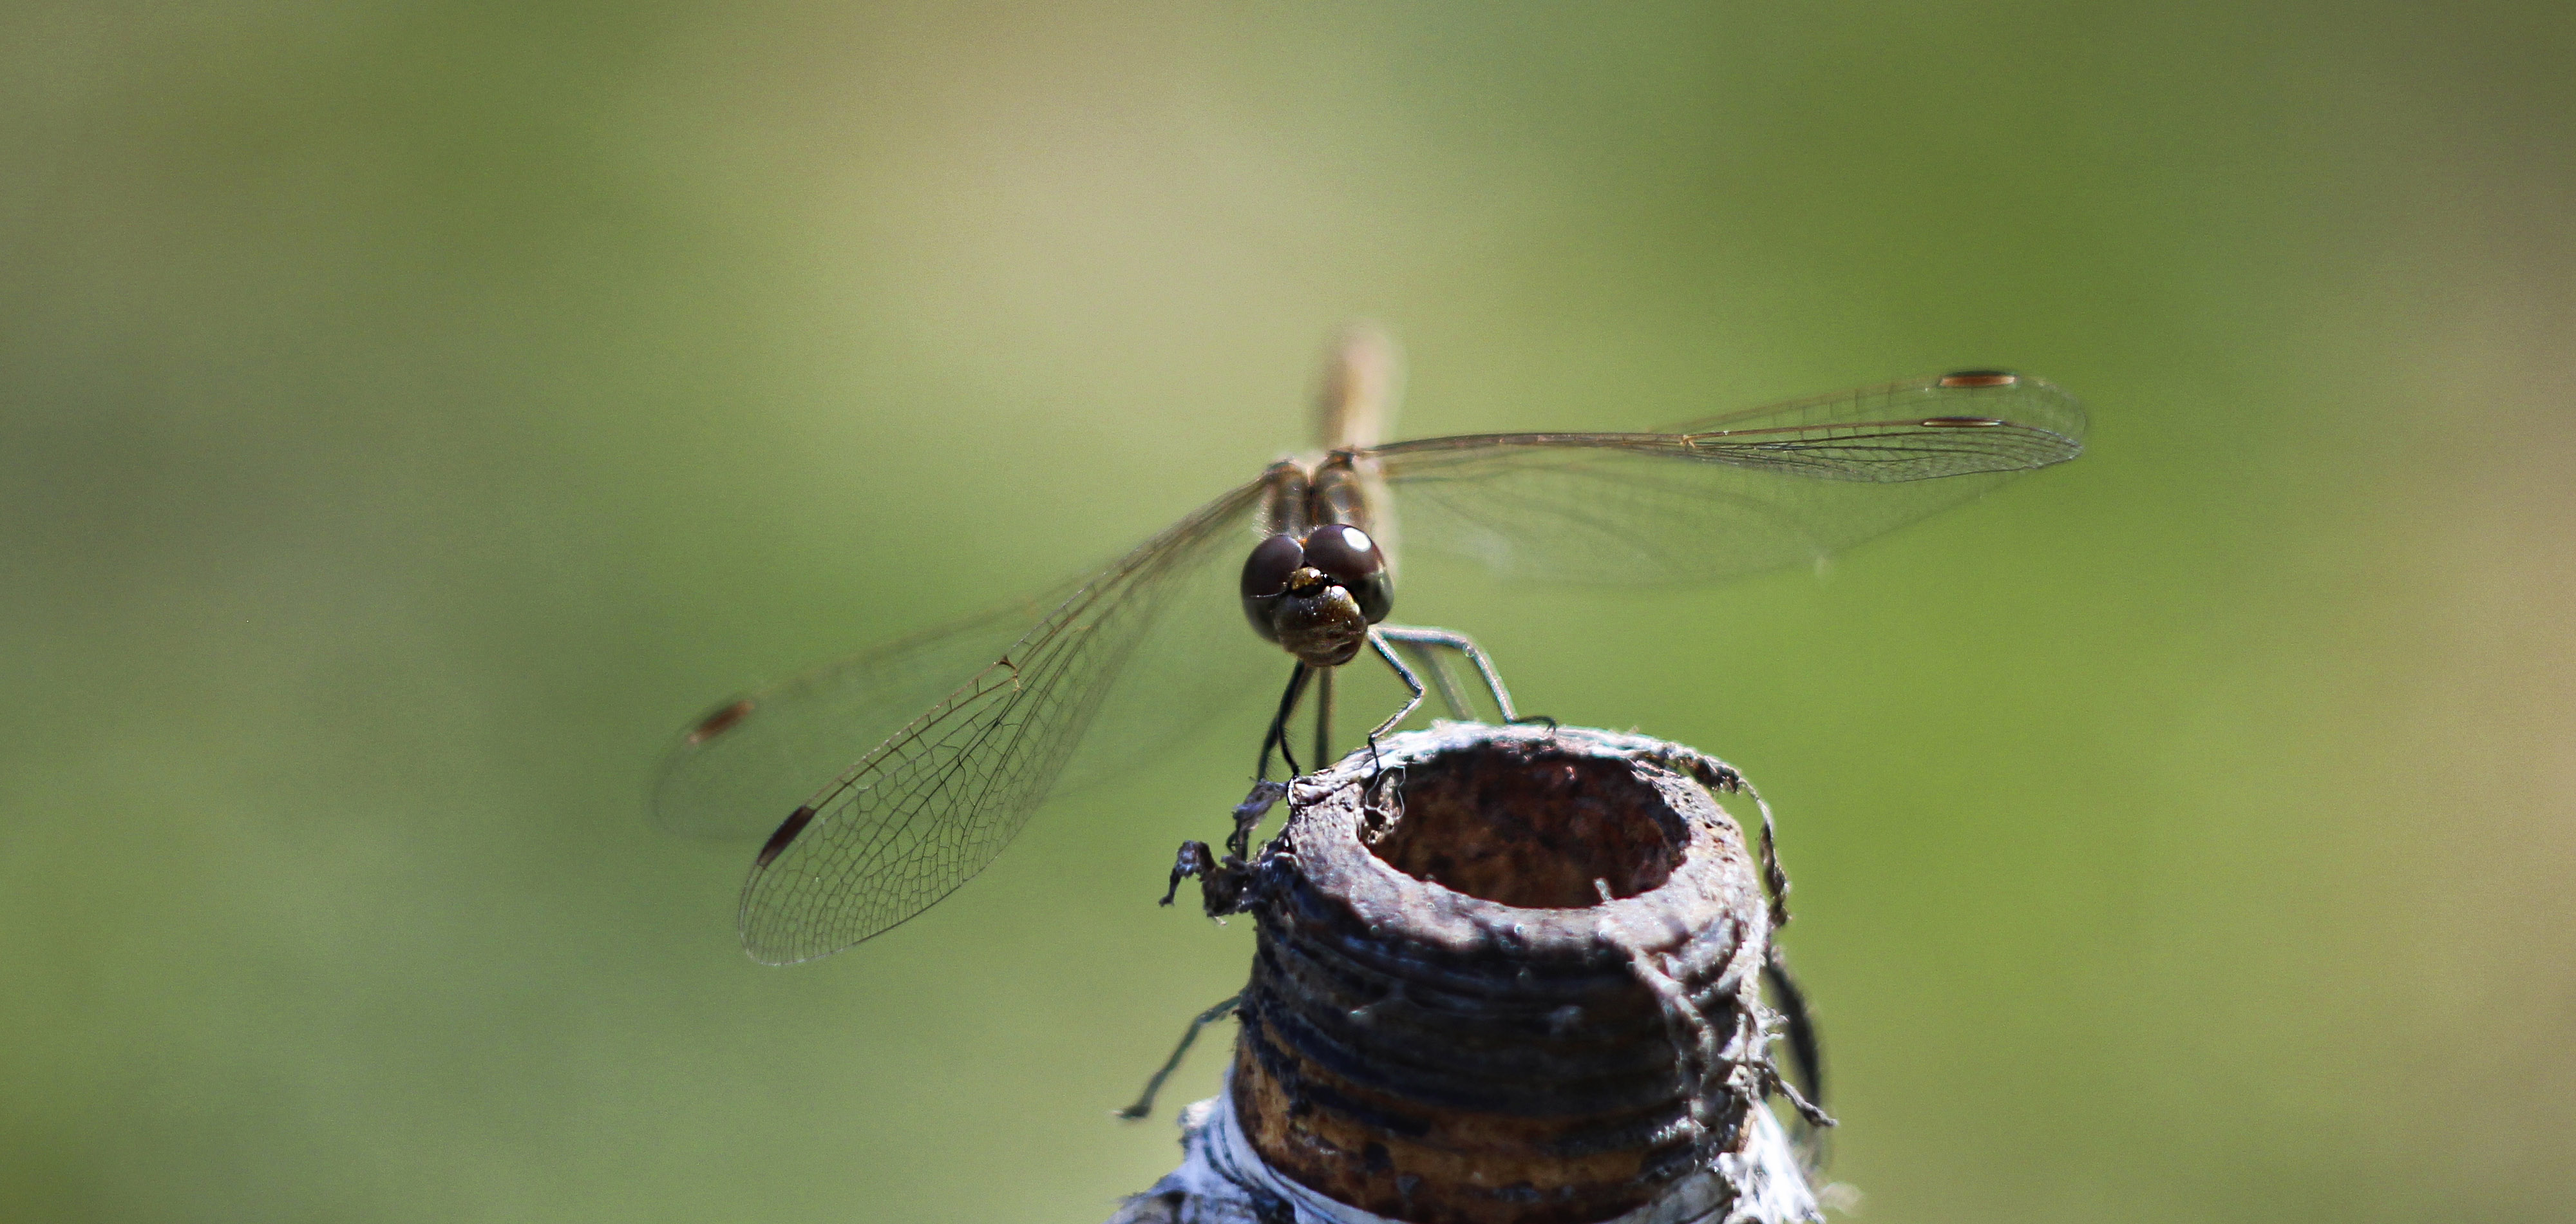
<point x="1959" y="422"/>
<point x="785" y="836"/>
<point x="1980" y="378"/>
<point x="720" y="722"/>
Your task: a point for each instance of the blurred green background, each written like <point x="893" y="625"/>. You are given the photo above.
<point x="410" y="415"/>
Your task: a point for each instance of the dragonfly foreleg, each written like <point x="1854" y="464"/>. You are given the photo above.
<point x="1277" y="737"/>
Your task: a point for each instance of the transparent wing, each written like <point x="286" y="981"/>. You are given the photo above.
<point x="909" y="814"/>
<point x="1729" y="495"/>
<point x="733" y="772"/>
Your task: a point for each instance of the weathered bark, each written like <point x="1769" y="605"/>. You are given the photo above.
<point x="1505" y="975"/>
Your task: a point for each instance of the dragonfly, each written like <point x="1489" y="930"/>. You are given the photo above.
<point x="888" y="779"/>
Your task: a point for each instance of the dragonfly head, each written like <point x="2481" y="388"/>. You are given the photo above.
<point x="1318" y="596"/>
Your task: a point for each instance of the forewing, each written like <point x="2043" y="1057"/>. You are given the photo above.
<point x="749" y="759"/>
<point x="2034" y="403"/>
<point x="1712" y="499"/>
<point x="734" y="772"/>
<point x="924" y="811"/>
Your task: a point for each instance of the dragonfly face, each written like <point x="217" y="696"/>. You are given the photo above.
<point x="1318" y="596"/>
<point x="1316" y="592"/>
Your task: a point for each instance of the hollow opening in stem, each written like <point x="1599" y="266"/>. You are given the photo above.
<point x="1545" y="831"/>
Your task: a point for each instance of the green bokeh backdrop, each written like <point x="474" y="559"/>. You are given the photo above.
<point x="410" y="414"/>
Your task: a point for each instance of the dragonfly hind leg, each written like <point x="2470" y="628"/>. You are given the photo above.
<point x="1426" y="643"/>
<point x="1427" y="646"/>
<point x="1379" y="639"/>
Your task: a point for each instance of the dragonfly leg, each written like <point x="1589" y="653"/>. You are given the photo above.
<point x="1427" y="639"/>
<point x="1145" y="1101"/>
<point x="1378" y="642"/>
<point x="1323" y="717"/>
<point x="1277" y="737"/>
<point x="1436" y="669"/>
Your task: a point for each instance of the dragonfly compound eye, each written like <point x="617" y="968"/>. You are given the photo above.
<point x="1265" y="581"/>
<point x="1351" y="559"/>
